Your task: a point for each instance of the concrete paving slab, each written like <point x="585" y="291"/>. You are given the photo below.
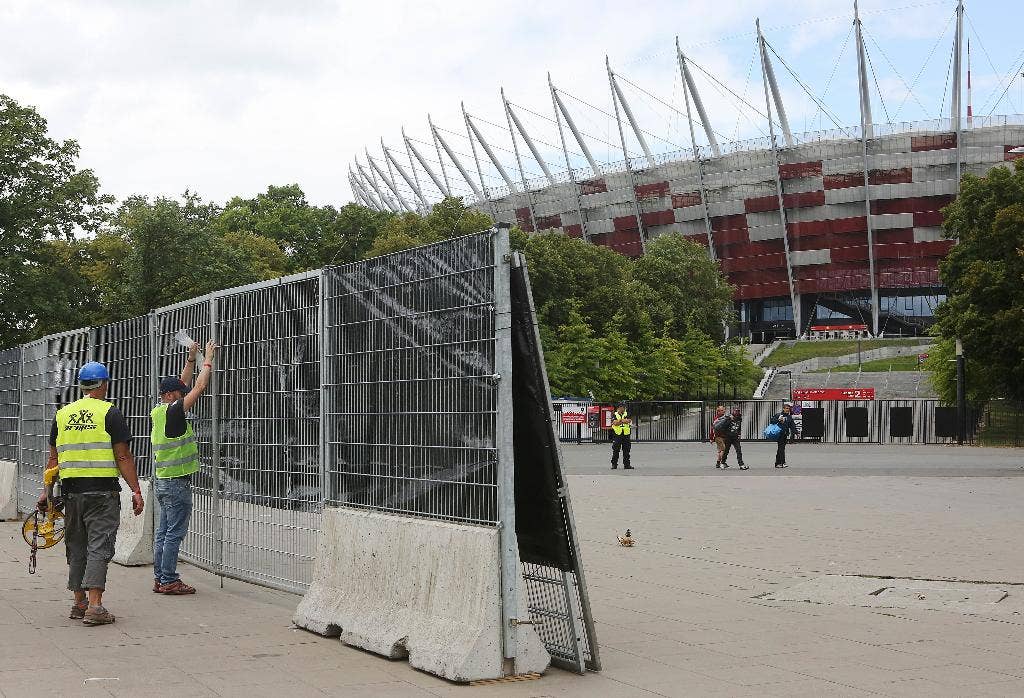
<point x="693" y="609"/>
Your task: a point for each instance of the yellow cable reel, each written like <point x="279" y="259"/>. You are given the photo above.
<point x="44" y="529"/>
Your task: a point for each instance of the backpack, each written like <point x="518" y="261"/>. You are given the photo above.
<point x="772" y="432"/>
<point x="721" y="425"/>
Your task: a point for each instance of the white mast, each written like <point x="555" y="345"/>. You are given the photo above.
<point x="617" y="93"/>
<point x="866" y="132"/>
<point x="629" y="165"/>
<point x="490" y="153"/>
<point x="575" y="131"/>
<point x="696" y="156"/>
<point x="526" y="137"/>
<point x="862" y="75"/>
<point x="455" y="160"/>
<point x="568" y="163"/>
<point x="769" y="76"/>
<point x="690" y="89"/>
<point x="442" y="187"/>
<point x="440" y="160"/>
<point x="405" y="175"/>
<point x="372" y="184"/>
<point x="388" y="181"/>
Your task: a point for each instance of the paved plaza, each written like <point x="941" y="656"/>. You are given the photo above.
<point x="860" y="570"/>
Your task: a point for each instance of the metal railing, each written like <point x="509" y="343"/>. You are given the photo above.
<point x="893" y="421"/>
<point x="10" y="402"/>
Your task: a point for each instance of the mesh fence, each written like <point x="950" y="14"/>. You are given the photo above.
<point x="268" y="391"/>
<point x="10" y="402"/>
<point x="49" y="376"/>
<point x="124" y="347"/>
<point x="409" y="382"/>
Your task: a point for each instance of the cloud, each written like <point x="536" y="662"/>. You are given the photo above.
<point x="225" y="98"/>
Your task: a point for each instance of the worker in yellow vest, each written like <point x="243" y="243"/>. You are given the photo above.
<point x="89" y="443"/>
<point x="622" y="427"/>
<point x="175" y="460"/>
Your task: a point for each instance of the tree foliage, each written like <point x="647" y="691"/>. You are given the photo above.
<point x="44" y="196"/>
<point x="984" y="275"/>
<point x="611" y="326"/>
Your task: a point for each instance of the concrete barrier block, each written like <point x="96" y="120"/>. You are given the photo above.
<point x="8" y="490"/>
<point x="414" y="588"/>
<point x="134" y="544"/>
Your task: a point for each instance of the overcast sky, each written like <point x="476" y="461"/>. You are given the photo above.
<point x="225" y="98"/>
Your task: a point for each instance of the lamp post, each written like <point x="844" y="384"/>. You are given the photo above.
<point x="961" y="394"/>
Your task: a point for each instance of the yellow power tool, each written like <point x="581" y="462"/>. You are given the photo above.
<point x="44" y="529"/>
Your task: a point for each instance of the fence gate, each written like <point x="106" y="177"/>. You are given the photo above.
<point x="49" y="381"/>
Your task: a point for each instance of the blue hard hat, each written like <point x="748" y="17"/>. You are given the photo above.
<point x="92" y="372"/>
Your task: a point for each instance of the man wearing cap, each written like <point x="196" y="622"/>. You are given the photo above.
<point x="175" y="459"/>
<point x="89" y="447"/>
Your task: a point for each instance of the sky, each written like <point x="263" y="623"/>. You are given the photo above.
<point x="226" y="98"/>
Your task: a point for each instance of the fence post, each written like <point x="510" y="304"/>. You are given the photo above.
<point x="21" y="420"/>
<point x="510" y="572"/>
<point x="218" y="515"/>
<point x="324" y="445"/>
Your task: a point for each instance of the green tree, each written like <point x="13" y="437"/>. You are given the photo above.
<point x="564" y="269"/>
<point x="694" y="293"/>
<point x="174" y="253"/>
<point x="43" y="197"/>
<point x="447" y="219"/>
<point x="984" y="275"/>
<point x="581" y="363"/>
<point x="311" y="236"/>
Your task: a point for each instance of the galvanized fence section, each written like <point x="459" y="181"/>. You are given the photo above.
<point x="48" y="382"/>
<point x="268" y="417"/>
<point x="10" y="403"/>
<point x="410" y="386"/>
<point x="125" y="348"/>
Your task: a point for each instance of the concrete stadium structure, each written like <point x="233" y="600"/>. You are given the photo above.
<point x="829" y="224"/>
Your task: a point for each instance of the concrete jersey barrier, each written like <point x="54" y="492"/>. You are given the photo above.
<point x="417" y="588"/>
<point x="8" y="490"/>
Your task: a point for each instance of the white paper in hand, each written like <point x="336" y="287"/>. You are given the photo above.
<point x="183" y="339"/>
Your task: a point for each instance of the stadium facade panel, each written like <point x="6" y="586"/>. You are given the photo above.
<point x="825" y="214"/>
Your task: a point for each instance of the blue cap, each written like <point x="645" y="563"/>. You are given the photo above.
<point x="93" y="372"/>
<point x="172" y="383"/>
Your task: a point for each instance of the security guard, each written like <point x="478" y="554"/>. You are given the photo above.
<point x="175" y="460"/>
<point x="621" y="428"/>
<point x="89" y="446"/>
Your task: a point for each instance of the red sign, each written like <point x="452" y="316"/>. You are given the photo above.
<point x="833" y="393"/>
<point x="921" y="358"/>
<point x="574" y="418"/>
<point x="829" y="328"/>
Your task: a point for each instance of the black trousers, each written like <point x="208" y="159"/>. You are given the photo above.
<point x="780" y="451"/>
<point x="620" y="442"/>
<point x="733" y="444"/>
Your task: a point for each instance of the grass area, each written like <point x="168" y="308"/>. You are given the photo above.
<point x="897" y="363"/>
<point x="810" y="349"/>
<point x="1002" y="425"/>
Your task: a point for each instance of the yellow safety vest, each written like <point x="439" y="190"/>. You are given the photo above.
<point x="83" y="443"/>
<point x="172" y="457"/>
<point x="622" y="429"/>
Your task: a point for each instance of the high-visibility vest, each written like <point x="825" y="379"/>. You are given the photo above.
<point x="621" y="429"/>
<point x="83" y="443"/>
<point x="175" y="457"/>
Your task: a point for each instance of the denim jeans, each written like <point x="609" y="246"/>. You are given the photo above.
<point x="175" y="498"/>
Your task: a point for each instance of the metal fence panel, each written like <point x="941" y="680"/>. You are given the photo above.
<point x="201" y="546"/>
<point x="124" y="347"/>
<point x="410" y="382"/>
<point x="667" y="421"/>
<point x="10" y="403"/>
<point x="49" y="381"/>
<point x="268" y="392"/>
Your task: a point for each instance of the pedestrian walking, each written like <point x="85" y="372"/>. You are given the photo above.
<point x="784" y="420"/>
<point x="732" y="439"/>
<point x="175" y="460"/>
<point x="89" y="446"/>
<point x="716" y="438"/>
<point x="621" y="439"/>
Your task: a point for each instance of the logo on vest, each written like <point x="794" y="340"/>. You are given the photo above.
<point x="81" y="421"/>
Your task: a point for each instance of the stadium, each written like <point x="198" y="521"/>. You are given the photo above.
<point x="838" y="226"/>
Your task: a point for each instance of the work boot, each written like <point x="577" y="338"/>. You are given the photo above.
<point x="614" y="465"/>
<point x="77" y="611"/>
<point x="177" y="588"/>
<point x="97" y="615"/>
<point x="627" y="467"/>
<point x="156" y="586"/>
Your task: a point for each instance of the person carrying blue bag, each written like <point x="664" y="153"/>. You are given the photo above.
<point x="780" y="430"/>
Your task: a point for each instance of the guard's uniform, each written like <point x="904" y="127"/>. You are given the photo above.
<point x="621" y="441"/>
